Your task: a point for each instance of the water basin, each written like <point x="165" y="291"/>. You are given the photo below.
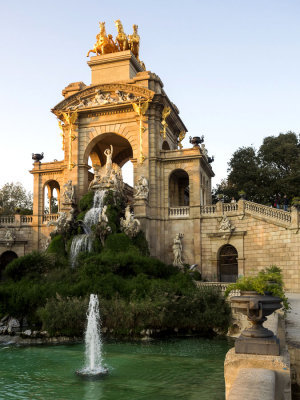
<point x="159" y="370"/>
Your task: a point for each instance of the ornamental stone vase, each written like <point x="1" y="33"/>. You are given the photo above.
<point x="196" y="140"/>
<point x="256" y="339"/>
<point x="37" y="157"/>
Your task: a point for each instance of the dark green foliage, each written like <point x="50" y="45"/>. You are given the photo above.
<point x="115" y="204"/>
<point x="86" y="201"/>
<point x="64" y="316"/>
<point x="199" y="311"/>
<point x="136" y="291"/>
<point x="118" y="242"/>
<point x="33" y="264"/>
<point x="57" y="246"/>
<point x="141" y="243"/>
<point x="271" y="171"/>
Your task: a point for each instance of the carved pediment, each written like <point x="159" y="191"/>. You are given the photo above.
<point x="103" y="95"/>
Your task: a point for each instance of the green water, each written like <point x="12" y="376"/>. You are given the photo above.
<point x="189" y="369"/>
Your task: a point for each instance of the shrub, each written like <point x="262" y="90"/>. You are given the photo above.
<point x="86" y="201"/>
<point x="141" y="243"/>
<point x="34" y="263"/>
<point x="57" y="246"/>
<point x="118" y="242"/>
<point x="64" y="316"/>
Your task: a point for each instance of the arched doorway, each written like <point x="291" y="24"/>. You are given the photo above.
<point x="179" y="193"/>
<point x="5" y="259"/>
<point x="228" y="264"/>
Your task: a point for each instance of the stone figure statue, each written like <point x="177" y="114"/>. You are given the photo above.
<point x="129" y="225"/>
<point x="225" y="225"/>
<point x="141" y="188"/>
<point x="9" y="237"/>
<point x="204" y="150"/>
<point x="103" y="216"/>
<point x="103" y="228"/>
<point x="108" y="153"/>
<point x="69" y="192"/>
<point x="60" y="224"/>
<point x="177" y="250"/>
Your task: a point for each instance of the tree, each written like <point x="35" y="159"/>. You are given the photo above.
<point x="273" y="170"/>
<point x="15" y="198"/>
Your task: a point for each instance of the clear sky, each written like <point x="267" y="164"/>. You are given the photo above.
<point x="231" y="66"/>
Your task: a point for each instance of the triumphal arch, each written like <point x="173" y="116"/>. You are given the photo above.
<point x="125" y="114"/>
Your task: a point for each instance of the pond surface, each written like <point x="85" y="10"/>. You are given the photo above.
<point x="189" y="369"/>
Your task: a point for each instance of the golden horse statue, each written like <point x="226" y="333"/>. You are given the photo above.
<point x="104" y="43"/>
<point x="134" y="42"/>
<point x="121" y="38"/>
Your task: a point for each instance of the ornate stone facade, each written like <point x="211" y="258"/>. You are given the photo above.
<point x="127" y="108"/>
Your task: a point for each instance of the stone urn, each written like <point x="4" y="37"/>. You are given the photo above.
<point x="196" y="140"/>
<point x="257" y="339"/>
<point x="37" y="157"/>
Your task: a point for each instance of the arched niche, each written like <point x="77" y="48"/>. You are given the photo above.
<point x="5" y="259"/>
<point x="179" y="193"/>
<point x="165" y="145"/>
<point x="51" y="197"/>
<point x="228" y="263"/>
<point x="122" y="150"/>
<point x="122" y="153"/>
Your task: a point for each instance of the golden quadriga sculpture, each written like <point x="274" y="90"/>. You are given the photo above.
<point x="105" y="43"/>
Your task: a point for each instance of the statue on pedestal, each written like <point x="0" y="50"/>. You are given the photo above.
<point x="69" y="192"/>
<point x="177" y="251"/>
<point x="130" y="226"/>
<point x="141" y="188"/>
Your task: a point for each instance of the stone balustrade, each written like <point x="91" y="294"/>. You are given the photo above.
<point x="177" y="212"/>
<point x="269" y="212"/>
<point x="7" y="220"/>
<point x="26" y="219"/>
<point x="211" y="209"/>
<point x="220" y="285"/>
<point x="50" y="217"/>
<point x="228" y="207"/>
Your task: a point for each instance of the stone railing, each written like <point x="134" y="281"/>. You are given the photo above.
<point x="211" y="209"/>
<point x="50" y="217"/>
<point x="26" y="219"/>
<point x="7" y="219"/>
<point x="220" y="285"/>
<point x="269" y="212"/>
<point x="227" y="207"/>
<point x="177" y="212"/>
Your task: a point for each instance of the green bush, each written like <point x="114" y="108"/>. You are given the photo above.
<point x="118" y="242"/>
<point x="64" y="316"/>
<point x="141" y="243"/>
<point x="57" y="246"/>
<point x="34" y="264"/>
<point x="86" y="201"/>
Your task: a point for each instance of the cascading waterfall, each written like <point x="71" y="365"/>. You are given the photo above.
<point x="83" y="242"/>
<point x="93" y="345"/>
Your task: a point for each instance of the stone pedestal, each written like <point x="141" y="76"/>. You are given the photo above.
<point x="263" y="346"/>
<point x="114" y="67"/>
